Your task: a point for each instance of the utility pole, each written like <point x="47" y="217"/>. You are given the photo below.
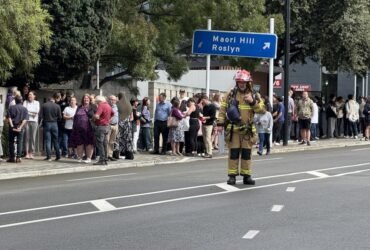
<point x="286" y="70"/>
<point x="208" y="70"/>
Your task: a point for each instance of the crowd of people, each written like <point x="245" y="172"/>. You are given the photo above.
<point x="310" y="119"/>
<point x="186" y="125"/>
<point x="107" y="129"/>
<point x="96" y="128"/>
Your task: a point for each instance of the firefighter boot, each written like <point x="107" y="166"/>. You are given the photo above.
<point x="247" y="180"/>
<point x="231" y="180"/>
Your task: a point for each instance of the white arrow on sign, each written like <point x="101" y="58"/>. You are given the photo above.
<point x="267" y="46"/>
<point x="200" y="44"/>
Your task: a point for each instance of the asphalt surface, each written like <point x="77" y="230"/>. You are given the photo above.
<point x="306" y="200"/>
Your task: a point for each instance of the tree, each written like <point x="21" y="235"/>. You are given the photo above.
<point x="345" y="41"/>
<point x="81" y="31"/>
<point x="158" y="33"/>
<point x="24" y="29"/>
<point x="334" y="32"/>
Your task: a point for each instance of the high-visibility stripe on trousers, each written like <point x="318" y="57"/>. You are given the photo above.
<point x="240" y="150"/>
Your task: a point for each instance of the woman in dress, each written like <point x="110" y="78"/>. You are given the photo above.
<point x="33" y="108"/>
<point x="125" y="127"/>
<point x="176" y="134"/>
<point x="82" y="136"/>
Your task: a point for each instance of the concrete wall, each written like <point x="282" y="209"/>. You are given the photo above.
<point x="155" y="88"/>
<point x="220" y="80"/>
<point x="345" y="84"/>
<point x="107" y="89"/>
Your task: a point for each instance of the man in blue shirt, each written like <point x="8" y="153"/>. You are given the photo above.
<point x="162" y="112"/>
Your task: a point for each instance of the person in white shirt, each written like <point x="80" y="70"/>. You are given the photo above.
<point x="352" y="108"/>
<point x="68" y="115"/>
<point x="33" y="108"/>
<point x="314" y="120"/>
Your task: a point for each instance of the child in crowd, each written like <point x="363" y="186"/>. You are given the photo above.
<point x="264" y="123"/>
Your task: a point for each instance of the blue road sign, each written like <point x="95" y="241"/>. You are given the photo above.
<point x="228" y="43"/>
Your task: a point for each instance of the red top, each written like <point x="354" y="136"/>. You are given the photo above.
<point x="105" y="113"/>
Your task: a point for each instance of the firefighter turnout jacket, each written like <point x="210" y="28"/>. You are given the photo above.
<point x="240" y="135"/>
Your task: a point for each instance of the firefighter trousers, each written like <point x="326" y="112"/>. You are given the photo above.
<point x="240" y="150"/>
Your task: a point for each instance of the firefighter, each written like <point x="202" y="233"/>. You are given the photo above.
<point x="236" y="115"/>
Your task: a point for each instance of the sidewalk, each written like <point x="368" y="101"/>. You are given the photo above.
<point x="38" y="167"/>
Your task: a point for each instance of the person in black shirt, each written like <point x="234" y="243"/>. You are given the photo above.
<point x="17" y="116"/>
<point x="50" y="114"/>
<point x="209" y="117"/>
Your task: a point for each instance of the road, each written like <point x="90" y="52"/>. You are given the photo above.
<point x="302" y="200"/>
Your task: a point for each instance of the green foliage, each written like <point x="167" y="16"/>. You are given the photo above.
<point x="334" y="32"/>
<point x="81" y="30"/>
<point x="159" y="32"/>
<point x="346" y="41"/>
<point x="24" y="29"/>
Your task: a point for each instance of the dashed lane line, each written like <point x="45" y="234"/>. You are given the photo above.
<point x="251" y="234"/>
<point x="277" y="208"/>
<point x="103" y="205"/>
<point x="290" y="189"/>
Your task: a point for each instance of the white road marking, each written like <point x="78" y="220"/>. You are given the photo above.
<point x="290" y="189"/>
<point x="109" y="198"/>
<point x="181" y="189"/>
<point x="360" y="149"/>
<point x="251" y="234"/>
<point x="103" y="205"/>
<point x="316" y="170"/>
<point x="227" y="187"/>
<point x="276" y="208"/>
<point x="318" y="174"/>
<point x="353" y="172"/>
<point x="163" y="201"/>
<point x="100" y="177"/>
